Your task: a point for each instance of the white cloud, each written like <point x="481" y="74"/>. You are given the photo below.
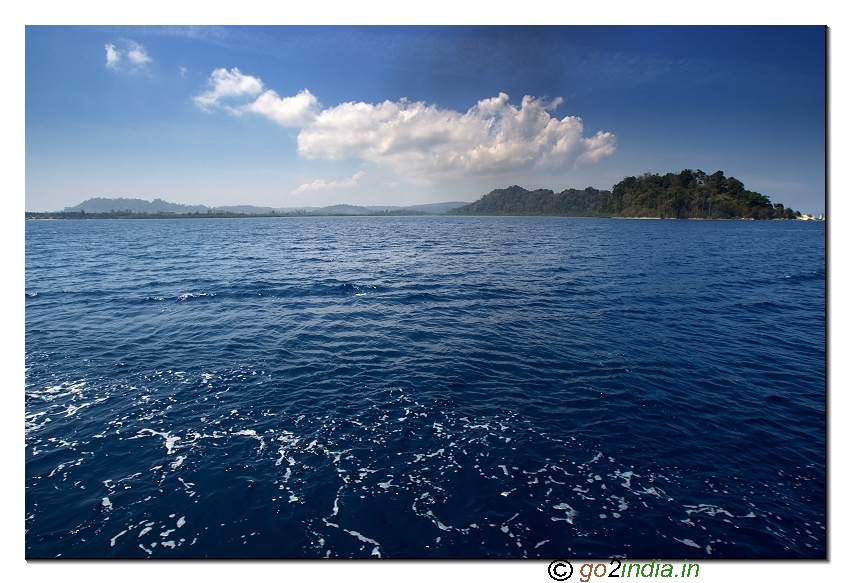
<point x="492" y="138"/>
<point x="287" y="111"/>
<point x="113" y="56"/>
<point x="417" y="140"/>
<point x="324" y="185"/>
<point x="226" y="86"/>
<point x="135" y="53"/>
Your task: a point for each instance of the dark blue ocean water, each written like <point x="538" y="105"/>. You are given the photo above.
<point x="425" y="387"/>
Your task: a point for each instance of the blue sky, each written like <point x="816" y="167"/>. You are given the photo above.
<point x="309" y="116"/>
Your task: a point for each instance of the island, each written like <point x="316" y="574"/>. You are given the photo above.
<point x="690" y="194"/>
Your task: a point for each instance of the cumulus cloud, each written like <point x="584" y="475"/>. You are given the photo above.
<point x="492" y="137"/>
<point x="134" y="55"/>
<point x="419" y="140"/>
<point x="226" y="86"/>
<point x="325" y="185"/>
<point x="286" y="111"/>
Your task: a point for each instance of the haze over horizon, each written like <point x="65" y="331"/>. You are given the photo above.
<point x="395" y="116"/>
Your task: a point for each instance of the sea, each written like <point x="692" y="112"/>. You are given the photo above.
<point x="425" y="387"/>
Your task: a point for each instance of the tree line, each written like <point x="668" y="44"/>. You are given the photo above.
<point x="690" y="194"/>
<point x="516" y="200"/>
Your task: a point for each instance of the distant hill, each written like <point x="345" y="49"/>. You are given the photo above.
<point x="516" y="200"/>
<point x="136" y="205"/>
<point x="436" y="207"/>
<point x="247" y="209"/>
<point x="343" y="209"/>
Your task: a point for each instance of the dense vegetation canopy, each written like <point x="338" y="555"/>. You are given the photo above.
<point x="688" y="194"/>
<point x="516" y="200"/>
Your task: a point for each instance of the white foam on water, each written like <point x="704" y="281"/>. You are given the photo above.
<point x="112" y="540"/>
<point x="375" y="551"/>
<point x="183" y="297"/>
<point x="571" y="512"/>
<point x="170" y="440"/>
<point x="252" y="433"/>
<point x="688" y="542"/>
<point x="168" y="543"/>
<point x="627" y="478"/>
<point x="437" y="521"/>
<point x="421" y="468"/>
<point x="144" y="531"/>
<point x="709" y="509"/>
<point x="74" y="408"/>
<point x="653" y="491"/>
<point x="106" y="503"/>
<point x="583" y="493"/>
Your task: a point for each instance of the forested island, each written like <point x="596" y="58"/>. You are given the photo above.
<point x="690" y="194"/>
<point x="687" y="195"/>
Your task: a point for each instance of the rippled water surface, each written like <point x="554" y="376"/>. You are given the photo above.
<point x="425" y="387"/>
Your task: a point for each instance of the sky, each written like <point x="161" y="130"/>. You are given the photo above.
<point x="289" y="116"/>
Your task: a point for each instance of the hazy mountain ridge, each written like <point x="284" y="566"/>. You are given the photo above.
<point x="137" y="205"/>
